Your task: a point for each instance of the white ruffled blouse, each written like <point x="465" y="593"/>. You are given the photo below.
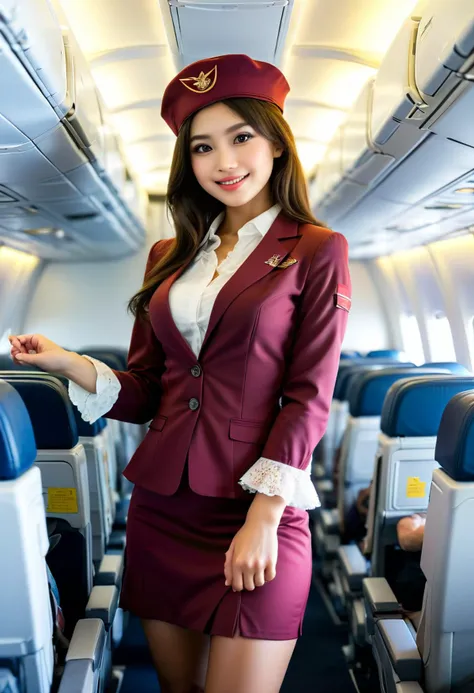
<point x="191" y="298"/>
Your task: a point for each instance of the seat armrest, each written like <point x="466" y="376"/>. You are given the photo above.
<point x="408" y="687"/>
<point x="102" y="604"/>
<point x="84" y="657"/>
<point x="330" y="521"/>
<point x="353" y="565"/>
<point x="110" y="570"/>
<point x="379" y="597"/>
<point x="397" y="639"/>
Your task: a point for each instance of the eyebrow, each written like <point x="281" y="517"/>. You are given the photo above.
<point x="227" y="132"/>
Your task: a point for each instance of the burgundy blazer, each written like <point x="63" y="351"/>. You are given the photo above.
<point x="264" y="379"/>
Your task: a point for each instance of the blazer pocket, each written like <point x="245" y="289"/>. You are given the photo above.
<point x="158" y="422"/>
<point x="248" y="431"/>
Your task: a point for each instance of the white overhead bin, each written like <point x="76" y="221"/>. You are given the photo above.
<point x="53" y="149"/>
<point x="257" y="28"/>
<point x="416" y="154"/>
<point x="444" y="69"/>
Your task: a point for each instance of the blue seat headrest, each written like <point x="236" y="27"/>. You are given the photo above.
<point x="455" y="442"/>
<point x="17" y="442"/>
<point x="49" y="407"/>
<point x="350" y="355"/>
<point x="368" y="390"/>
<point x="451" y="366"/>
<point x="113" y="358"/>
<point x="345" y="376"/>
<point x="395" y="354"/>
<point x="414" y="407"/>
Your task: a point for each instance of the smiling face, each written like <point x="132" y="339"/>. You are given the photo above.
<point x="231" y="161"/>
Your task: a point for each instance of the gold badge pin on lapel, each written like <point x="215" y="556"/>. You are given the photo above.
<point x="287" y="263"/>
<point x="274" y="261"/>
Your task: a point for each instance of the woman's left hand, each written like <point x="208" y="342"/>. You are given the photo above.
<point x="252" y="556"/>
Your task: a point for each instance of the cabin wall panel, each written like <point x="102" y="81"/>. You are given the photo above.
<point x="19" y="274"/>
<point x="78" y="304"/>
<point x="367" y="326"/>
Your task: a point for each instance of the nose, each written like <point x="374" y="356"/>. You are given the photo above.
<point x="226" y="160"/>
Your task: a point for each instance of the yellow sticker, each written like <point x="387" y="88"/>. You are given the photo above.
<point x="62" y="500"/>
<point x="415" y="487"/>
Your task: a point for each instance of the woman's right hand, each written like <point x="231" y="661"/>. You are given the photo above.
<point x="36" y="350"/>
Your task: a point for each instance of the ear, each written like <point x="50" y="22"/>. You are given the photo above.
<point x="277" y="151"/>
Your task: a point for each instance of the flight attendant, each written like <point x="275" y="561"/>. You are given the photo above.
<point x="233" y="358"/>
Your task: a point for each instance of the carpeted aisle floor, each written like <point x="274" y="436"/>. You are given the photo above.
<point x="317" y="666"/>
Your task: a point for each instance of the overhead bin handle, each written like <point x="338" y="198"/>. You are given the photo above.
<point x="413" y="92"/>
<point x="236" y="4"/>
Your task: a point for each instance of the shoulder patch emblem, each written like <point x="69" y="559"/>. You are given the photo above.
<point x="341" y="297"/>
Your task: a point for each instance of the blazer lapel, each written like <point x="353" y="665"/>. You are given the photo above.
<point x="253" y="269"/>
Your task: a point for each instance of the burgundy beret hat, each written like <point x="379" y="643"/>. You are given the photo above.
<point x="223" y="77"/>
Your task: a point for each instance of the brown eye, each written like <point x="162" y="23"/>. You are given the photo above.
<point x="198" y="149"/>
<point x="243" y="138"/>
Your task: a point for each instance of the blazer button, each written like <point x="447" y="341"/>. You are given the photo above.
<point x="196" y="371"/>
<point x="193" y="404"/>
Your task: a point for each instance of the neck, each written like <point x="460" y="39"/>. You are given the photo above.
<point x="236" y="217"/>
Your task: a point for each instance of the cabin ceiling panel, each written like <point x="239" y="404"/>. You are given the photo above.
<point x="135" y="124"/>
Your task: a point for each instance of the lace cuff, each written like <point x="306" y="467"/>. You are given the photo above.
<point x="93" y="406"/>
<point x="278" y="479"/>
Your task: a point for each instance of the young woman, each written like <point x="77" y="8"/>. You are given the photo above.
<point x="233" y="358"/>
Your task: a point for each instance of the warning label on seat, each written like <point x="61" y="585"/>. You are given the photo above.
<point x="62" y="500"/>
<point x="415" y="487"/>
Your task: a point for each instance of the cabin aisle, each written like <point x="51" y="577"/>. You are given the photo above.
<point x="317" y="666"/>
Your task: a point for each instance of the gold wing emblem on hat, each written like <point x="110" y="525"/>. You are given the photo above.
<point x="203" y="83"/>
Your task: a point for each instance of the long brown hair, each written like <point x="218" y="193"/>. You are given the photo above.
<point x="192" y="209"/>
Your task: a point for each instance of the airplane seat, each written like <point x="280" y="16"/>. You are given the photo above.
<point x="406" y="463"/>
<point x="26" y="626"/>
<point x="451" y="366"/>
<point x="100" y="490"/>
<point x="327" y="524"/>
<point x="63" y="466"/>
<point x="394" y="354"/>
<point x="350" y="354"/>
<point x="127" y="435"/>
<point x="366" y="394"/>
<point x="445" y="635"/>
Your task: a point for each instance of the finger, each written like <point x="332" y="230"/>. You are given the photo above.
<point x="26" y="358"/>
<point x="249" y="583"/>
<point x="270" y="572"/>
<point x="259" y="578"/>
<point x="228" y="565"/>
<point x="237" y="578"/>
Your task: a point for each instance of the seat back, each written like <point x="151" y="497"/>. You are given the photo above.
<point x="410" y="420"/>
<point x="26" y="625"/>
<point x="366" y="394"/>
<point x="96" y="446"/>
<point x="62" y="462"/>
<point x="446" y="632"/>
<point x="394" y="354"/>
<point x="128" y="436"/>
<point x="339" y="410"/>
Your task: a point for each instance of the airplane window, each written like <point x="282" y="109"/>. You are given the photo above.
<point x="441" y="339"/>
<point x="412" y="344"/>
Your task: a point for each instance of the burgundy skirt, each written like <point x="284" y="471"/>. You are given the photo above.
<point x="174" y="567"/>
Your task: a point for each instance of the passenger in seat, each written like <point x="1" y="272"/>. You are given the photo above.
<point x="355" y="521"/>
<point x="408" y="582"/>
<point x="233" y="357"/>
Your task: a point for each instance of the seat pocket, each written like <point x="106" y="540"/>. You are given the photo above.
<point x="158" y="422"/>
<point x="246" y="431"/>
